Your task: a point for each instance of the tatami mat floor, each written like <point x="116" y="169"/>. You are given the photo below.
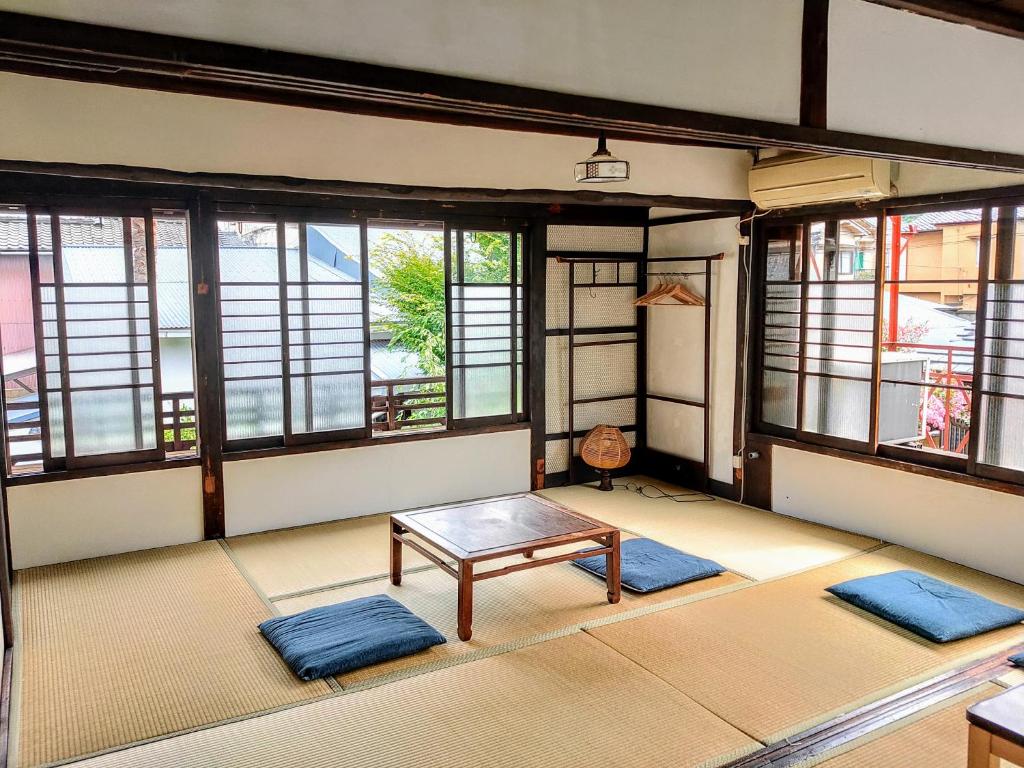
<point x="755" y="543"/>
<point x="155" y="658"/>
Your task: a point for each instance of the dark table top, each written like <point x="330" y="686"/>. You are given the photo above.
<point x="1002" y="715"/>
<point x="498" y="524"/>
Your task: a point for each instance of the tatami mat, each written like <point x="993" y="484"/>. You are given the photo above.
<point x="507" y="609"/>
<point x="298" y="559"/>
<point x="935" y="738"/>
<point x="118" y="649"/>
<point x="753" y="542"/>
<point x="782" y="656"/>
<point x="567" y="702"/>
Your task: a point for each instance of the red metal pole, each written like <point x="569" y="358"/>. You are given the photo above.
<point x="894" y="276"/>
<point x="949" y="394"/>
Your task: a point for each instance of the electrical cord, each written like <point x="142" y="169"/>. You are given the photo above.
<point x="654" y="492"/>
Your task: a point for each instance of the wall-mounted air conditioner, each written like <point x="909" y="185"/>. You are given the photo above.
<point x="790" y="180"/>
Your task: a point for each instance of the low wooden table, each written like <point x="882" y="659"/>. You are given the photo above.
<point x="485" y="530"/>
<point x="997" y="730"/>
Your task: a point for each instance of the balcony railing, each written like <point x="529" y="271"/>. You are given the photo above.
<point x="403" y="404"/>
<point x="25" y="439"/>
<point x="955" y="432"/>
<point x="179" y="420"/>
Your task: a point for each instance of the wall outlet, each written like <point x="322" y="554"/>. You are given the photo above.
<point x="743" y="239"/>
<point x="737" y="462"/>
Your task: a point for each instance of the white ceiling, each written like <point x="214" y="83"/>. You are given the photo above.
<point x="738" y="57"/>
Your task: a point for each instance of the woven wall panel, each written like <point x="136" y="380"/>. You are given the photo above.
<point x="617" y="413"/>
<point x="565" y="237"/>
<point x="604" y="371"/>
<point x="556" y="384"/>
<point x="597" y="307"/>
<point x="555" y="457"/>
<point x="557" y="290"/>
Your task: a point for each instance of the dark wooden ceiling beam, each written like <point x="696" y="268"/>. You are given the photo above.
<point x="171" y="183"/>
<point x="989" y="17"/>
<point x="814" y="65"/>
<point x="69" y="50"/>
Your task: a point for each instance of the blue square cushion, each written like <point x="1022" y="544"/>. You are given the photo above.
<point x="927" y="607"/>
<point x="647" y="565"/>
<point x="1018" y="659"/>
<point x="339" y="638"/>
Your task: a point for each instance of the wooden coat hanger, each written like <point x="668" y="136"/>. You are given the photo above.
<point x="668" y="294"/>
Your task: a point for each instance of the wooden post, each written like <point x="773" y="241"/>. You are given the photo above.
<point x="612" y="563"/>
<point x="536" y="349"/>
<point x="206" y="332"/>
<point x="465" y="600"/>
<point x="396" y="553"/>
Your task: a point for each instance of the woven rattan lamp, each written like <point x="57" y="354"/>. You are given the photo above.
<point x="604" y="448"/>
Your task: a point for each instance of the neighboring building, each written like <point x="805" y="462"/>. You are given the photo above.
<point x="946" y="246"/>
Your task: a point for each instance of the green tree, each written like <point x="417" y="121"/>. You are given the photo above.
<point x="410" y="285"/>
<point x="487" y="255"/>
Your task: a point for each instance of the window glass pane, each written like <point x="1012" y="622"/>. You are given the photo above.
<point x="837" y="407"/>
<point x="481" y="391"/>
<point x="250" y="308"/>
<point x="17" y="331"/>
<point x="781" y="326"/>
<point x="778" y="398"/>
<point x="485" y="316"/>
<point x="1002" y="384"/>
<point x="929" y="300"/>
<point x="174" y="305"/>
<point x="408" y="345"/>
<point x="104" y="333"/>
<point x="325" y="329"/>
<point x="839" y="332"/>
<point x="486" y="257"/>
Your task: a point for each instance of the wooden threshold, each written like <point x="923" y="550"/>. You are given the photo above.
<point x="880" y="714"/>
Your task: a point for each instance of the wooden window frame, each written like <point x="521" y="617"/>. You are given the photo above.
<point x="71" y="460"/>
<point x="302" y="217"/>
<point x="519" y="236"/>
<point x="969" y="465"/>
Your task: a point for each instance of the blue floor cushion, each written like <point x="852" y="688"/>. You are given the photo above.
<point x="1018" y="659"/>
<point x="339" y="638"/>
<point x="927" y="607"/>
<point x="647" y="565"/>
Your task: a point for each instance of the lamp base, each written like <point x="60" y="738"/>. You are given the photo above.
<point x="606" y="481"/>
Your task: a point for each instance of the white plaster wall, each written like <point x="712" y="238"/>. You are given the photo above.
<point x="74" y="519"/>
<point x="737" y="57"/>
<point x="675" y="346"/>
<point x="899" y="74"/>
<point x="924" y="179"/>
<point x="63" y="121"/>
<point x="285" y="491"/>
<point x="974" y="526"/>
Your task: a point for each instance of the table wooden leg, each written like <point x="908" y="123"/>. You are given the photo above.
<point x="465" y="600"/>
<point x="612" y="568"/>
<point x="979" y="754"/>
<point x="396" y="554"/>
<point x="528" y="553"/>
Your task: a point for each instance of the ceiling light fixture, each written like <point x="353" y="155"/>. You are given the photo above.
<point x="601" y="166"/>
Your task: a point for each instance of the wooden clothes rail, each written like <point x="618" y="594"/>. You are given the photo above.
<point x="705" y="406"/>
<point x="581" y="259"/>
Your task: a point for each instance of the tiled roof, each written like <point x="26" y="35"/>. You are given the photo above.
<point x="930" y="222"/>
<point x="94" y="231"/>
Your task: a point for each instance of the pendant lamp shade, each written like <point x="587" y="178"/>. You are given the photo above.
<point x="602" y="166"/>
